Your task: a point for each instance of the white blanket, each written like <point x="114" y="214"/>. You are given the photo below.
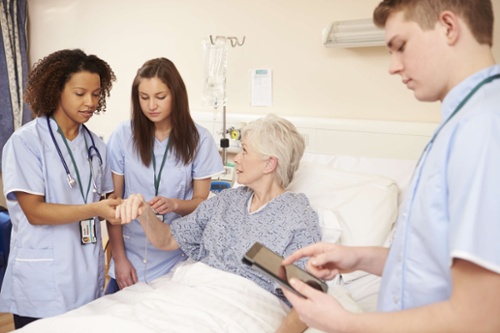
<point x="195" y="298"/>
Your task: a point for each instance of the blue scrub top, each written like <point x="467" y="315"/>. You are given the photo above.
<point x="176" y="182"/>
<point x="49" y="271"/>
<point x="452" y="208"/>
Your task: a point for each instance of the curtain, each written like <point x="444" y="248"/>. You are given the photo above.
<point x="13" y="67"/>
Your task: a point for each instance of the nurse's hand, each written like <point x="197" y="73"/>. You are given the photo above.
<point x="326" y="260"/>
<point x="131" y="208"/>
<point x="125" y="273"/>
<point x="107" y="209"/>
<point x="163" y="205"/>
<point x="318" y="309"/>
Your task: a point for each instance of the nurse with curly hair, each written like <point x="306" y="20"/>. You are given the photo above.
<point x="55" y="175"/>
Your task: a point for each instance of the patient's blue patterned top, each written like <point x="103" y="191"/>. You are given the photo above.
<point x="221" y="230"/>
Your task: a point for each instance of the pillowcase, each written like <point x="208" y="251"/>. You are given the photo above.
<point x="362" y="206"/>
<point x="331" y="229"/>
<point x="355" y="209"/>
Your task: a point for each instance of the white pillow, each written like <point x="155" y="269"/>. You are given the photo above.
<point x="331" y="228"/>
<point x="364" y="206"/>
<point x="355" y="209"/>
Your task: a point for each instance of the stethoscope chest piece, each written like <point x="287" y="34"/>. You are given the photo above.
<point x="71" y="180"/>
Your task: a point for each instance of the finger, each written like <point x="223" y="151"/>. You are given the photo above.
<point x="324" y="274"/>
<point x="118" y="212"/>
<point x="157" y="206"/>
<point x="153" y="201"/>
<point x="123" y="212"/>
<point x="116" y="201"/>
<point x="131" y="207"/>
<point x="317" y="270"/>
<point x="120" y="283"/>
<point x="134" y="207"/>
<point x="126" y="283"/>
<point x="293" y="297"/>
<point x="312" y="266"/>
<point x="139" y="206"/>
<point x="134" y="276"/>
<point x="114" y="220"/>
<point x="304" y="252"/>
<point x="303" y="288"/>
<point x="322" y="259"/>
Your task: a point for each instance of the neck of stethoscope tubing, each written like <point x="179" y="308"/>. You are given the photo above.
<point x="457" y="109"/>
<point x="71" y="180"/>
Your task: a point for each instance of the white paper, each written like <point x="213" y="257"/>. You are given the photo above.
<point x="262" y="88"/>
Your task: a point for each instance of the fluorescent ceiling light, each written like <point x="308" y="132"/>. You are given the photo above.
<point x="353" y="33"/>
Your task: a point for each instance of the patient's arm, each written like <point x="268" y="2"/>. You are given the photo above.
<point x="157" y="232"/>
<point x="291" y="324"/>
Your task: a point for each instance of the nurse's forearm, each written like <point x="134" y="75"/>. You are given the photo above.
<point x="185" y="207"/>
<point x="115" y="233"/>
<point x="373" y="259"/>
<point x="39" y="212"/>
<point x="201" y="190"/>
<point x="157" y="232"/>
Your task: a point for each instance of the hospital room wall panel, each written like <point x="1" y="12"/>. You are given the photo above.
<point x="367" y="138"/>
<point x="282" y="35"/>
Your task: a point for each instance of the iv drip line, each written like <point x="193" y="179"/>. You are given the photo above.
<point x="145" y="260"/>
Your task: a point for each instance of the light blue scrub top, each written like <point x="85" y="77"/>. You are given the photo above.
<point x="49" y="270"/>
<point x="176" y="182"/>
<point x="452" y="209"/>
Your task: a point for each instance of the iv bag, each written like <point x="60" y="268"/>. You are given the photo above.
<point x="215" y="65"/>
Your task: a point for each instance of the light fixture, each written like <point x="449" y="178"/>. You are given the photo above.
<point x="353" y="33"/>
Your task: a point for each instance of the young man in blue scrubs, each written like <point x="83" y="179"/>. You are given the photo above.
<point x="442" y="272"/>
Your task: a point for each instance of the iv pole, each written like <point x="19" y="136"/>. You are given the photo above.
<point x="224" y="142"/>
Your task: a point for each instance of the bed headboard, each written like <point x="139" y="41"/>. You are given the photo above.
<point x="328" y="136"/>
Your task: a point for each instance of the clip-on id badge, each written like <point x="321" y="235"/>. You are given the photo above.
<point x="87" y="231"/>
<point x="159" y="216"/>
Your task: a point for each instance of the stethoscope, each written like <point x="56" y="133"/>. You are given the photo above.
<point x="91" y="152"/>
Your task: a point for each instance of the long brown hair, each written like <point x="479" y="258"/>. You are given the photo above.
<point x="184" y="136"/>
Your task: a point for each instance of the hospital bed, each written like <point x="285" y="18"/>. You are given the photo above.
<point x="355" y="173"/>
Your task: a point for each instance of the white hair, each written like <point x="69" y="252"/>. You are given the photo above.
<point x="277" y="137"/>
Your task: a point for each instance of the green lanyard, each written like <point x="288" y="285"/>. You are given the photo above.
<point x="84" y="197"/>
<point x="158" y="178"/>
<point x="458" y="108"/>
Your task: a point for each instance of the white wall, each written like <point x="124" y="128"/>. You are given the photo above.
<point x="283" y="35"/>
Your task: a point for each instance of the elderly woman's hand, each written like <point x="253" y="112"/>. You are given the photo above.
<point x="131" y="208"/>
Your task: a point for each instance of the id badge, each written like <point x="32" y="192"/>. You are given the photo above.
<point x="87" y="231"/>
<point x="159" y="216"/>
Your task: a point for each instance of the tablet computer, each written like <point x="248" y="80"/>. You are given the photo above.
<point x="268" y="262"/>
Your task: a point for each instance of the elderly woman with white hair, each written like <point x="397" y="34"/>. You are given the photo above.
<point x="222" y="228"/>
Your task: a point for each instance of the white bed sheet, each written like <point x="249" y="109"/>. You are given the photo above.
<point x="194" y="298"/>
